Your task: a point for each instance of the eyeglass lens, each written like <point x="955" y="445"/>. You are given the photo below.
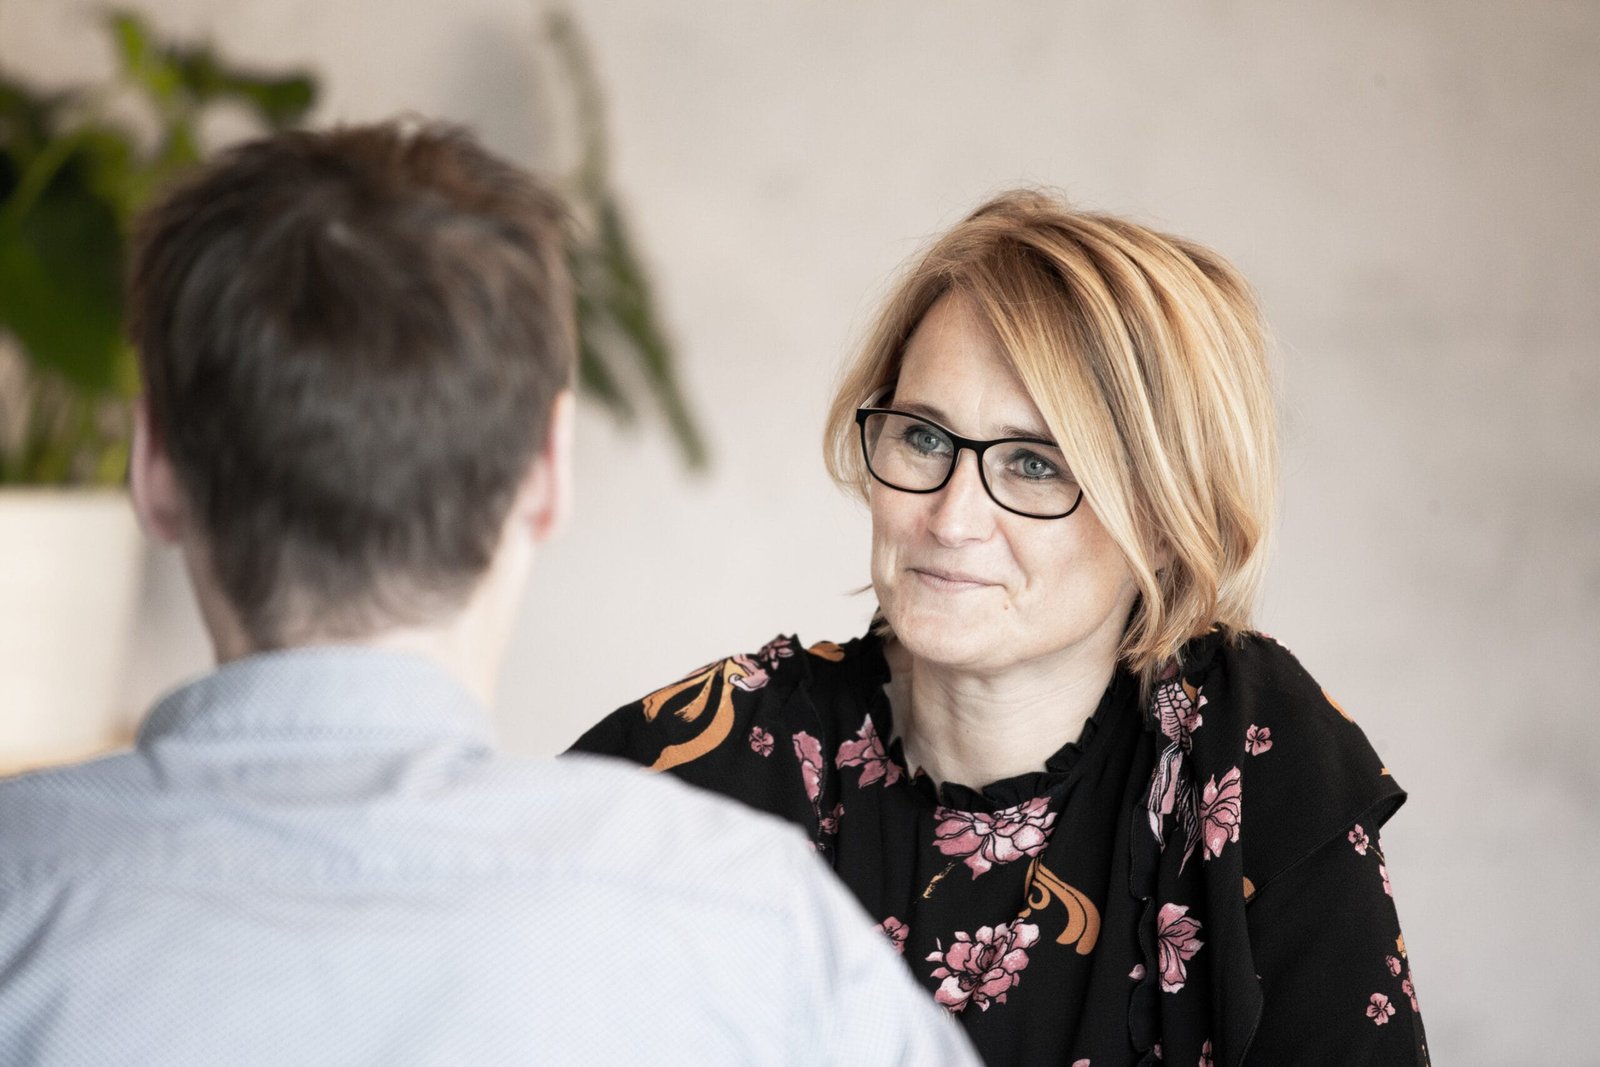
<point x="912" y="454"/>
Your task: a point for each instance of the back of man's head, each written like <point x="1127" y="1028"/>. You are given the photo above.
<point x="351" y="342"/>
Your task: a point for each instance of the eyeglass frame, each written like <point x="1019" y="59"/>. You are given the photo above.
<point x="975" y="446"/>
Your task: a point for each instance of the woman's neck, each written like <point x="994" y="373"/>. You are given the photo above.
<point x="975" y="730"/>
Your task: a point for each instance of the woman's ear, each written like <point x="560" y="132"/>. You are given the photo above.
<point x="153" y="482"/>
<point x="546" y="497"/>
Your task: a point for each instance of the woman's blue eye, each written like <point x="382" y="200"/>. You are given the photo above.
<point x="925" y="440"/>
<point x="1033" y="466"/>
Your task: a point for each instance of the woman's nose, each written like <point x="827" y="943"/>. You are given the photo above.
<point x="962" y="509"/>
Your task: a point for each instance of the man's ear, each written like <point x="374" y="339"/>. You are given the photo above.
<point x="546" y="497"/>
<point x="152" y="481"/>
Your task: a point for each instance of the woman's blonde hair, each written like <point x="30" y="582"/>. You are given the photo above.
<point x="1146" y="355"/>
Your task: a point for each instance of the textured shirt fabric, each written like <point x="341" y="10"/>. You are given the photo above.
<point x="1196" y="880"/>
<point x="314" y="857"/>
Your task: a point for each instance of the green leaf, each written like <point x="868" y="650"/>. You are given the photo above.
<point x="109" y="168"/>
<point x="60" y="285"/>
<point x="599" y="383"/>
<point x="143" y="63"/>
<point x="595" y="376"/>
<point x="631" y="305"/>
<point x="280" y="102"/>
<point x="182" y="79"/>
<point x="131" y="36"/>
<point x="26" y="119"/>
<point x="71" y="179"/>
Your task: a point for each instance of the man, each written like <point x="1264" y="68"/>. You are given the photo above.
<point x="356" y="350"/>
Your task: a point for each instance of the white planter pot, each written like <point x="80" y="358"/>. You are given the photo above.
<point x="69" y="575"/>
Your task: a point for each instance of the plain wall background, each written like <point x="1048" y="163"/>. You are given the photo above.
<point x="1411" y="186"/>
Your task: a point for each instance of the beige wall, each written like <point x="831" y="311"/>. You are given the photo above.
<point x="1413" y="188"/>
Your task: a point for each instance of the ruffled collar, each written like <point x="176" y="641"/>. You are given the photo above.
<point x="1061" y="768"/>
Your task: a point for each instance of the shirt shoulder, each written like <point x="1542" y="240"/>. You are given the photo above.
<point x="764" y="912"/>
<point x="50" y="816"/>
<point x="751" y="726"/>
<point x="481" y="864"/>
<point x="562" y="831"/>
<point x="1300" y="767"/>
<point x="677" y="838"/>
<point x="563" y="822"/>
<point x="727" y="705"/>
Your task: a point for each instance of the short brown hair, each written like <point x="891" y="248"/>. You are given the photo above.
<point x="351" y="342"/>
<point x="1146" y="355"/>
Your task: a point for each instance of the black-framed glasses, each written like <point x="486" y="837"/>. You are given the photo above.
<point x="912" y="453"/>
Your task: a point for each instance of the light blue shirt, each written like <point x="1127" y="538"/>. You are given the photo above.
<point x="314" y="857"/>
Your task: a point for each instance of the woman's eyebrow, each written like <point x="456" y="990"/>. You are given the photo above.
<point x="1033" y="432"/>
<point x="928" y="411"/>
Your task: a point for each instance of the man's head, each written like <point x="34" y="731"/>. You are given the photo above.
<point x="353" y="344"/>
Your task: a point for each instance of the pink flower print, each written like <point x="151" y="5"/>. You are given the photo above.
<point x="896" y="932"/>
<point x="1177" y="941"/>
<point x="1177" y="710"/>
<point x="1205" y="1055"/>
<point x="1394" y="965"/>
<point x="983" y="839"/>
<point x="1379" y="1009"/>
<point x="753" y="675"/>
<point x="1384" y="871"/>
<point x="809" y="752"/>
<point x="1137" y="974"/>
<point x="1219" y="813"/>
<point x="1189" y="821"/>
<point x="981" y="969"/>
<point x="760" y="741"/>
<point x="756" y="670"/>
<point x="1410" y="991"/>
<point x="774" y="650"/>
<point x="1257" y="739"/>
<point x="1166" y="781"/>
<point x="867" y="753"/>
<point x="1358" y="838"/>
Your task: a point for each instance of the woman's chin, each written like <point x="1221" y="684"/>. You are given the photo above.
<point x="941" y="639"/>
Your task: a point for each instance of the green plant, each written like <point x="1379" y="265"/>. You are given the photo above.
<point x="71" y="179"/>
<point x="619" y="333"/>
<point x="73" y="175"/>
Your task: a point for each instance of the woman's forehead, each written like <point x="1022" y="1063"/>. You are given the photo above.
<point x="954" y="372"/>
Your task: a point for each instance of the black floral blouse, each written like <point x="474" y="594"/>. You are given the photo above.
<point x="1116" y="907"/>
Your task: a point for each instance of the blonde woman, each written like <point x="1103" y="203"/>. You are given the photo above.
<point x="1103" y="820"/>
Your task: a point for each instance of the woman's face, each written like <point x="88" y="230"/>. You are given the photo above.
<point x="966" y="584"/>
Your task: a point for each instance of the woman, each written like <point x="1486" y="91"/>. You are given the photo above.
<point x="1103" y="821"/>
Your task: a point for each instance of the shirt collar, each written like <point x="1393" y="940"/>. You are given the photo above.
<point x="334" y="692"/>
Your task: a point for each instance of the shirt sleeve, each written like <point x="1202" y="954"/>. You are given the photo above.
<point x="861" y="1004"/>
<point x="1332" y="962"/>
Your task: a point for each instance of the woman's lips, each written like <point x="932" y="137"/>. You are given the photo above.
<point x="949" y="581"/>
